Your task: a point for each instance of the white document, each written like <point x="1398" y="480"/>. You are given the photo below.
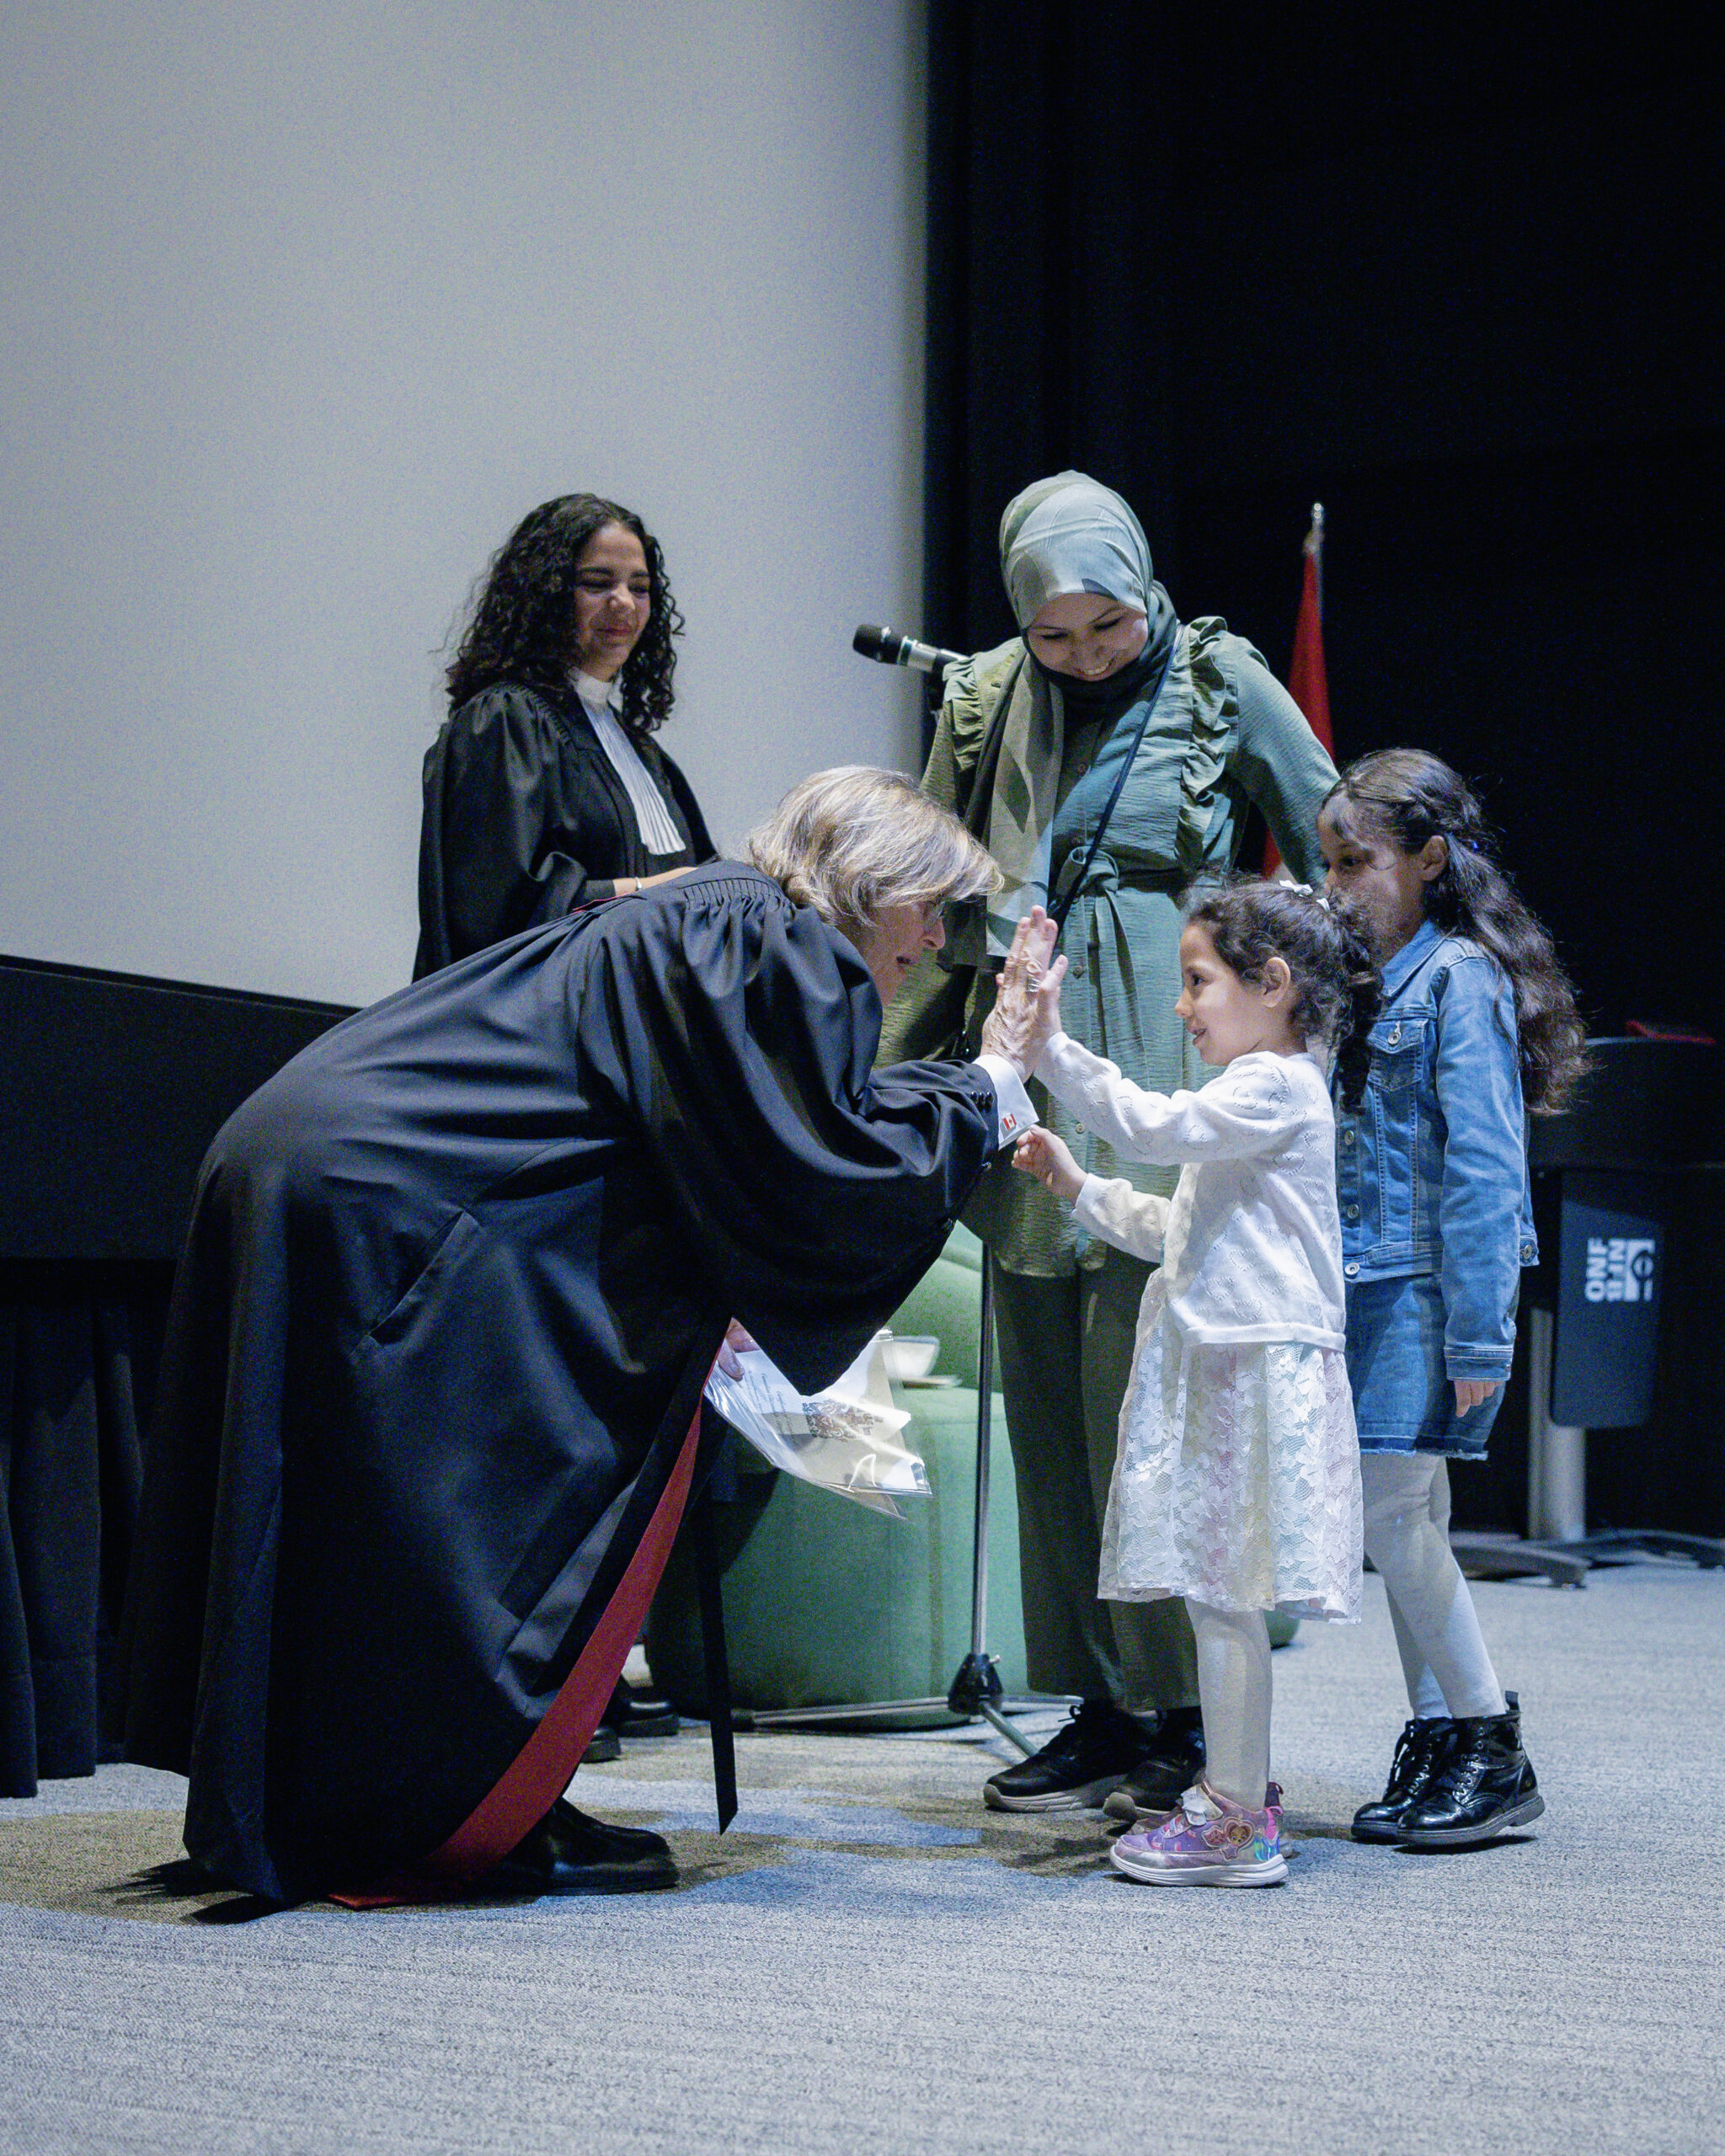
<point x="846" y="1438"/>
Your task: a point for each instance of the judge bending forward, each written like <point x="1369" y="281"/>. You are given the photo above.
<point x="454" y="1281"/>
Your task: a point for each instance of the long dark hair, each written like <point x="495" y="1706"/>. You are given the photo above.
<point x="521" y="626"/>
<point x="1408" y="796"/>
<point x="1338" y="988"/>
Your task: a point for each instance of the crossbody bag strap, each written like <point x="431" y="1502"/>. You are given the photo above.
<point x="1060" y="907"/>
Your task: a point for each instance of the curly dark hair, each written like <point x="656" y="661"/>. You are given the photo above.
<point x="1338" y="988"/>
<point x="1408" y="796"/>
<point x="522" y="626"/>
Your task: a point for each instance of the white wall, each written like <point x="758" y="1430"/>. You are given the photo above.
<point x="305" y="305"/>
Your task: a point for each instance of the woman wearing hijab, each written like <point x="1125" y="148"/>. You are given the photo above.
<point x="546" y="790"/>
<point x="1104" y="685"/>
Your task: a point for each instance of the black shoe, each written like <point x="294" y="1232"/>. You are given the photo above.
<point x="1484" y="1787"/>
<point x="567" y="1853"/>
<point x="634" y="1714"/>
<point x="1174" y="1762"/>
<point x="603" y="1746"/>
<point x="1421" y="1752"/>
<point x="1095" y="1751"/>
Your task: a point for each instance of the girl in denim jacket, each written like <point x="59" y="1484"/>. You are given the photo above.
<point x="1478" y="1026"/>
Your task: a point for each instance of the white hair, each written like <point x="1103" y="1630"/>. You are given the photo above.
<point x="853" y="841"/>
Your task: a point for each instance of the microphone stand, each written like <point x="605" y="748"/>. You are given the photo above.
<point x="976" y="1689"/>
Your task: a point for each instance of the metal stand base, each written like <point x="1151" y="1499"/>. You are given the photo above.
<point x="976" y="1691"/>
<point x="1624" y="1544"/>
<point x="1558" y="1544"/>
<point x="926" y="1713"/>
<point x="1502" y="1557"/>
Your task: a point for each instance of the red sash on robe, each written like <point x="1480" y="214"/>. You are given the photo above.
<point x="545" y="1765"/>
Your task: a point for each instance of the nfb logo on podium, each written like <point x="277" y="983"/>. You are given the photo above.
<point x="1620" y="1269"/>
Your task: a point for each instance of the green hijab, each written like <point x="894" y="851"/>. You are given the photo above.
<point x="1062" y="536"/>
<point x="1068" y="535"/>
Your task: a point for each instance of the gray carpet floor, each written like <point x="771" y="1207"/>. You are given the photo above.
<point x="868" y="1961"/>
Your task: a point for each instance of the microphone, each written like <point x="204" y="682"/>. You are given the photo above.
<point x="892" y="649"/>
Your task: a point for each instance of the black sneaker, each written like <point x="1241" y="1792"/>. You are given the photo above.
<point x="1421" y="1753"/>
<point x="1485" y="1786"/>
<point x="1172" y="1764"/>
<point x="1076" y="1769"/>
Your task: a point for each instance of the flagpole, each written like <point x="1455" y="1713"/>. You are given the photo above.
<point x="1306" y="681"/>
<point x="1315" y="547"/>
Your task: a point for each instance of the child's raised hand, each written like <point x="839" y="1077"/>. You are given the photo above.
<point x="1026" y="1008"/>
<point x="1040" y="1154"/>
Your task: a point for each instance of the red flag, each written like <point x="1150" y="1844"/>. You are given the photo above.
<point x="1306" y="681"/>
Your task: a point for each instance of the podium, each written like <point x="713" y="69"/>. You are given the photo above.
<point x="115" y="1086"/>
<point x="1605" y="1176"/>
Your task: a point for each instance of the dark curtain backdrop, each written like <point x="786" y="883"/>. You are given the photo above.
<point x="115" y="1085"/>
<point x="1463" y="287"/>
<point x="79" y="1345"/>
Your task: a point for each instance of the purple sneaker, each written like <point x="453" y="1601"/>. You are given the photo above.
<point x="1208" y="1842"/>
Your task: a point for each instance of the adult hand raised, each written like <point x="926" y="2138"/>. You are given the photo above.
<point x="1027" y="1006"/>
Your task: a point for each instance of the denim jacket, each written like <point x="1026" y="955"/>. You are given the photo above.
<point x="1431" y="1168"/>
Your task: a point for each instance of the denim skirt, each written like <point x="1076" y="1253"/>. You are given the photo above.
<point x="1403" y="1400"/>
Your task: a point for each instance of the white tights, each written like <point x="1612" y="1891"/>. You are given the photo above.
<point x="1442" y="1653"/>
<point x="1234" y="1689"/>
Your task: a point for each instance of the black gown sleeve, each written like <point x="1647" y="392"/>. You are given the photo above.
<point x="497" y="847"/>
<point x="738" y="1032"/>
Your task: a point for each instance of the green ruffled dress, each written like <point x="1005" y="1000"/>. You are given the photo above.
<point x="1223" y="734"/>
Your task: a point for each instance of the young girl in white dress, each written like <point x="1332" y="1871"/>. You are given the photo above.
<point x="1236" y="1483"/>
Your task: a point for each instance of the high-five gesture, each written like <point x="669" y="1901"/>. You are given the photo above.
<point x="1027" y="1007"/>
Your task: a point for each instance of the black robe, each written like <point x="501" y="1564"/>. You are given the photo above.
<point x="453" y="1283"/>
<point x="526" y="819"/>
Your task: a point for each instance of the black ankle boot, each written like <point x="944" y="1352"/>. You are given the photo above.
<point x="1484" y="1787"/>
<point x="1421" y="1751"/>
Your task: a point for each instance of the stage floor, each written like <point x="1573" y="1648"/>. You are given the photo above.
<point x="869" y="1960"/>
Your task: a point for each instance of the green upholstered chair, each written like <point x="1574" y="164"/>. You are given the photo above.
<point x="829" y="1604"/>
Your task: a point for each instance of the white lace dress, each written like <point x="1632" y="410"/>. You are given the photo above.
<point x="1237" y="1477"/>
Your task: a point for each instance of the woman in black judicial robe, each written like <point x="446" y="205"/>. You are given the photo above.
<point x="546" y="790"/>
<point x="453" y="1283"/>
